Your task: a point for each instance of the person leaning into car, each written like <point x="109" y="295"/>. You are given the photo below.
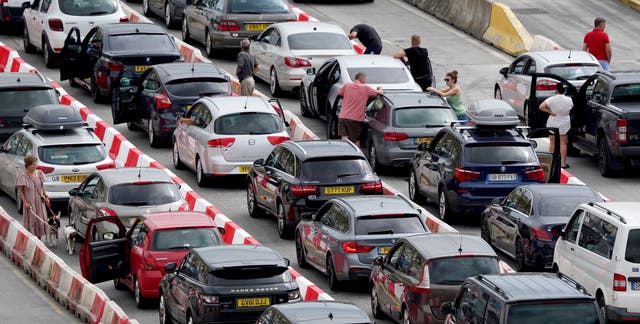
<point x="354" y="106"/>
<point x="247" y="67"/>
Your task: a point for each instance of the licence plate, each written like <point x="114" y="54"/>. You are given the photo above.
<point x="257" y="26"/>
<point x="635" y="285"/>
<point x="244" y="168"/>
<point x="253" y="302"/>
<point x="339" y="190"/>
<point x="384" y="249"/>
<point x="420" y="140"/>
<point x="502" y="177"/>
<point x="141" y="68"/>
<point x="73" y="178"/>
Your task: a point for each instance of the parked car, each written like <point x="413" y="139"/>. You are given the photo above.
<point x="123" y="192"/>
<point x="314" y="312"/>
<point x="95" y="61"/>
<point x="45" y="23"/>
<point x="286" y="50"/>
<point x="11" y="12"/>
<point x="20" y="92"/>
<point x="319" y="88"/>
<point x="421" y="272"/>
<point x="67" y="152"/>
<point x="299" y="177"/>
<point x="135" y="260"/>
<point x="153" y="100"/>
<point x="600" y="249"/>
<point x="226" y="135"/>
<point x="222" y="24"/>
<point x="527" y="223"/>
<point x="344" y="236"/>
<point x="527" y="298"/>
<point x="229" y="283"/>
<point x="399" y="121"/>
<point x="171" y="10"/>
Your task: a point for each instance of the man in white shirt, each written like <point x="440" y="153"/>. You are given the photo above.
<point x="559" y="107"/>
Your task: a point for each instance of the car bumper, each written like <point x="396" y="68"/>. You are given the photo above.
<point x="56" y="40"/>
<point x="150" y="282"/>
<point x="467" y="203"/>
<point x="289" y="79"/>
<point x="226" y="40"/>
<point x="349" y="267"/>
<point x="218" y="166"/>
<point x="214" y="314"/>
<point x="632" y="154"/>
<point x="541" y="254"/>
<point x="394" y="155"/>
<point x="621" y="314"/>
<point x="11" y="15"/>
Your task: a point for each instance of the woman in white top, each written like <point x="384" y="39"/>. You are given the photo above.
<point x="559" y="107"/>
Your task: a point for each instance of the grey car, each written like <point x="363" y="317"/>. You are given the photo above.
<point x="399" y="121"/>
<point x="170" y="10"/>
<point x="222" y="24"/>
<point x="344" y="236"/>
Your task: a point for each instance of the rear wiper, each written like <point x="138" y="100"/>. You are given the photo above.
<point x="135" y="203"/>
<point x="95" y="13"/>
<point x="381" y="232"/>
<point x="582" y="77"/>
<point x="247" y="12"/>
<point x="258" y="133"/>
<point x="511" y="162"/>
<point x="180" y="247"/>
<point x="429" y="125"/>
<point x="346" y="175"/>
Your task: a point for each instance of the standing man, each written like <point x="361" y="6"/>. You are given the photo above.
<point x="597" y="43"/>
<point x="419" y="62"/>
<point x="367" y="37"/>
<point x="354" y="106"/>
<point x="247" y="66"/>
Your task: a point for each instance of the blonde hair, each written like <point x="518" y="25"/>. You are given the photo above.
<point x="30" y="160"/>
<point x="453" y="75"/>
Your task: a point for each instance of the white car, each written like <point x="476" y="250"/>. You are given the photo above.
<point x="226" y="135"/>
<point x="600" y="249"/>
<point x="47" y="22"/>
<point x="286" y="50"/>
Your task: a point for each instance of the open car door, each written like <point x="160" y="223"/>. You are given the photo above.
<point x="125" y="94"/>
<point x="102" y="255"/>
<point x="72" y="65"/>
<point x="550" y="161"/>
<point x="543" y="86"/>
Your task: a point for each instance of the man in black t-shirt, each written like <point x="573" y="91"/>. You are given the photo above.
<point x="368" y="37"/>
<point x="419" y="62"/>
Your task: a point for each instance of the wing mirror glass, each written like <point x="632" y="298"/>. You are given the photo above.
<point x="73" y="192"/>
<point x="258" y="162"/>
<point x="170" y="267"/>
<point x="446" y="308"/>
<point x="307" y="216"/>
<point x="504" y="71"/>
<point x="311" y="71"/>
<point x="378" y="260"/>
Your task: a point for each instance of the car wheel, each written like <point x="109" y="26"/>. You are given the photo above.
<point x="525" y="113"/>
<point x="163" y="312"/>
<point x="443" y="205"/>
<point x="132" y="127"/>
<point x="189" y="319"/>
<point x="177" y="164"/>
<point x="304" y="110"/>
<point x="300" y="256"/>
<point x="406" y="319"/>
<point x="95" y="91"/>
<point x="154" y="141"/>
<point x="28" y="48"/>
<point x="334" y="283"/>
<point x="484" y="230"/>
<point x="373" y="158"/>
<point x="141" y="302"/>
<point x="603" y="307"/>
<point x="520" y="263"/>
<point x="168" y="18"/>
<point x="604" y="159"/>
<point x="375" y="304"/>
<point x="201" y="177"/>
<point x="209" y="45"/>
<point x="497" y="93"/>
<point x="185" y="30"/>
<point x="255" y="211"/>
<point x="284" y="229"/>
<point x="18" y="203"/>
<point x="332" y="125"/>
<point x="118" y="285"/>
<point x="274" y="86"/>
<point x="50" y="58"/>
<point x="145" y="8"/>
<point x="414" y="191"/>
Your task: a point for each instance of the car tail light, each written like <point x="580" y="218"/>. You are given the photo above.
<point x="295" y="62"/>
<point x="162" y="101"/>
<point x="124" y="19"/>
<point x="221" y="142"/>
<point x="114" y="66"/>
<point x="109" y="165"/>
<point x="227" y="25"/>
<point x="275" y="140"/>
<point x="540" y="234"/>
<point x="395" y="137"/>
<point x="372" y="187"/>
<point x="535" y="174"/>
<point x="55" y="24"/>
<point x="424" y="287"/>
<point x="622" y="130"/>
<point x="142" y="183"/>
<point x="462" y="175"/>
<point x="149" y="262"/>
<point x="619" y="282"/>
<point x="297" y="190"/>
<point x="210" y="299"/>
<point x="1" y="122"/>
<point x="546" y="85"/>
<point x="45" y="169"/>
<point x="294" y="295"/>
<point x="353" y="247"/>
<point x="107" y="211"/>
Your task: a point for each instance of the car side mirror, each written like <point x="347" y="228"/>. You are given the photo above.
<point x="170" y="267"/>
<point x="378" y="260"/>
<point x="504" y="71"/>
<point x="287" y="261"/>
<point x="446" y="308"/>
<point x="534" y="144"/>
<point x="496" y="202"/>
<point x="253" y="38"/>
<point x="222" y="230"/>
<point x="26" y="5"/>
<point x="563" y="234"/>
<point x="258" y="163"/>
<point x="108" y="236"/>
<point x="87" y="194"/>
<point x="307" y="216"/>
<point x="311" y="71"/>
<point x="73" y="192"/>
<point x="423" y="147"/>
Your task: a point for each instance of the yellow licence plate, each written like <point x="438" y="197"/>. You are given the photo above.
<point x="384" y="249"/>
<point x="339" y="190"/>
<point x="141" y="68"/>
<point x="423" y="140"/>
<point x="257" y="26"/>
<point x="244" y="169"/>
<point x="253" y="302"/>
<point x="73" y="178"/>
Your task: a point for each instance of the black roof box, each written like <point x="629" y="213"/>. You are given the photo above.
<point x="492" y="113"/>
<point x="53" y="117"/>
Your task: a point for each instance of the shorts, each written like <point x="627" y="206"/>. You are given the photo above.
<point x="247" y="86"/>
<point x="350" y="128"/>
<point x="563" y="128"/>
<point x="373" y="50"/>
<point x="424" y="83"/>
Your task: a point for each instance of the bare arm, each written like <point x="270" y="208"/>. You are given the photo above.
<point x="445" y="92"/>
<point x="400" y="55"/>
<point x="23" y="197"/>
<point x="545" y="107"/>
<point x="585" y="47"/>
<point x="608" y="49"/>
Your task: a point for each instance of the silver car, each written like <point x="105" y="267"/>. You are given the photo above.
<point x="344" y="236"/>
<point x="226" y="134"/>
<point x="124" y="192"/>
<point x="286" y="50"/>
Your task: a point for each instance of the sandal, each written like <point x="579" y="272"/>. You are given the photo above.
<point x="566" y="166"/>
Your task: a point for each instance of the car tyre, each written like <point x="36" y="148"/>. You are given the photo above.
<point x="373" y="158"/>
<point x="255" y="211"/>
<point x="50" y="58"/>
<point x="375" y="304"/>
<point x="332" y="278"/>
<point x="145" y="8"/>
<point x="304" y="109"/>
<point x="406" y="316"/>
<point x="154" y="141"/>
<point x="520" y="259"/>
<point x="28" y="48"/>
<point x="300" y="256"/>
<point x="163" y="312"/>
<point x="484" y="230"/>
<point x="332" y="125"/>
<point x="603" y="307"/>
<point x="185" y="30"/>
<point x="141" y="302"/>
<point x="169" y="20"/>
<point x="414" y="191"/>
<point x="118" y="285"/>
<point x="211" y="52"/>
<point x="497" y="93"/>
<point x="177" y="164"/>
<point x="274" y="85"/>
<point x="443" y="205"/>
<point x="201" y="177"/>
<point x="604" y="159"/>
<point x="284" y="229"/>
<point x="95" y="91"/>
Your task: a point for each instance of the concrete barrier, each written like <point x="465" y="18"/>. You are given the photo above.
<point x="506" y="32"/>
<point x="542" y="43"/>
<point x="635" y="4"/>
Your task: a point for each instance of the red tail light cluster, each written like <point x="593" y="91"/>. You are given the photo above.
<point x="622" y="130"/>
<point x="462" y="175"/>
<point x="540" y="234"/>
<point x="546" y="85"/>
<point x="109" y="165"/>
<point x="45" y="169"/>
<point x="535" y="174"/>
<point x="395" y="137"/>
<point x="373" y="187"/>
<point x="114" y="66"/>
<point x="353" y="247"/>
<point x="221" y="142"/>
<point x="55" y="24"/>
<point x="227" y="25"/>
<point x="424" y="287"/>
<point x="299" y="191"/>
<point x="124" y="19"/>
<point x="275" y="140"/>
<point x="295" y="62"/>
<point x="162" y="101"/>
<point x="619" y="282"/>
<point x="107" y="212"/>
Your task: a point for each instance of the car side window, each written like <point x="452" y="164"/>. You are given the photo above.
<point x="323" y="210"/>
<point x="35" y="5"/>
<point x="335" y="74"/>
<point x="473" y="304"/>
<point x="101" y="191"/>
<point x="219" y="5"/>
<point x="275" y="38"/>
<point x="188" y="267"/>
<point x="96" y="40"/>
<point x="524" y="202"/>
<point x="11" y="144"/>
<point x="412" y="263"/>
<point x="329" y="218"/>
<point x="267" y="35"/>
<point x="512" y="199"/>
<point x="342" y="220"/>
<point x="574" y="226"/>
<point x="198" y="114"/>
<point x="494" y="311"/>
<point x="383" y="115"/>
<point x="207" y="117"/>
<point x="90" y="187"/>
<point x="394" y="255"/>
<point x="286" y="162"/>
<point x="519" y="65"/>
<point x="272" y="159"/>
<point x="443" y="149"/>
<point x="597" y="235"/>
<point x="150" y="82"/>
<point x="135" y="229"/>
<point x="531" y="69"/>
<point x="23" y="146"/>
<point x="456" y="149"/>
<point x="600" y="92"/>
<point x="45" y="6"/>
<point x="323" y="71"/>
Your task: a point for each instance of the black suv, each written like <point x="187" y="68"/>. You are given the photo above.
<point x="301" y="176"/>
<point x="522" y="298"/>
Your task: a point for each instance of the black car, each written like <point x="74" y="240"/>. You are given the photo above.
<point x="316" y="312"/>
<point x="170" y="10"/>
<point x="527" y="223"/>
<point x="106" y="50"/>
<point x="229" y="283"/>
<point x="301" y="176"/>
<point x="19" y="92"/>
<point x="11" y="13"/>
<point x="153" y="100"/>
<point x="522" y="298"/>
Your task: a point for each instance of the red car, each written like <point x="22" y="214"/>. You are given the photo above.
<point x="135" y="259"/>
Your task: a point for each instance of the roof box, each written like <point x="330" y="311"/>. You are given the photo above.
<point x="492" y="113"/>
<point x="53" y="117"/>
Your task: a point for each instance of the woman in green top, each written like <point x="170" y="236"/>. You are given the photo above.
<point x="452" y="95"/>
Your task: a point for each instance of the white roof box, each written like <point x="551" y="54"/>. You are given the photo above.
<point x="492" y="113"/>
<point x="53" y="117"/>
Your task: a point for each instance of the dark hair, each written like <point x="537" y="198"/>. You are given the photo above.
<point x="560" y="88"/>
<point x="30" y="160"/>
<point x="598" y="21"/>
<point x="359" y="75"/>
<point x="453" y="75"/>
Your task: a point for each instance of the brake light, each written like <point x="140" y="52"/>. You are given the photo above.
<point x="227" y="25"/>
<point x="535" y="174"/>
<point x="114" y="66"/>
<point x="221" y="142"/>
<point x="107" y="211"/>
<point x="142" y="183"/>
<point x="462" y="175"/>
<point x="546" y="85"/>
<point x="109" y="165"/>
<point x="1" y="122"/>
<point x="372" y="187"/>
<point x="162" y="101"/>
<point x="55" y="24"/>
<point x="45" y="169"/>
<point x="540" y="234"/>
<point x="297" y="190"/>
<point x="149" y="262"/>
<point x="622" y="130"/>
<point x="295" y="62"/>
<point x="395" y="137"/>
<point x="619" y="282"/>
<point x="275" y="140"/>
<point x="424" y="287"/>
<point x="124" y="19"/>
<point x="353" y="247"/>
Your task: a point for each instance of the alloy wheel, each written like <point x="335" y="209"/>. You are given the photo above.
<point x="442" y="205"/>
<point x="168" y="20"/>
<point x="162" y="311"/>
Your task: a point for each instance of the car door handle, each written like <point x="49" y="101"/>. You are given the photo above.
<point x="572" y="249"/>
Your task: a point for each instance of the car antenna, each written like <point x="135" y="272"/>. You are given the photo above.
<point x="139" y="172"/>
<point x="245" y="102"/>
<point x="381" y="204"/>
<point x="193" y="67"/>
<point x="569" y="54"/>
<point x="330" y="316"/>
<point x="460" y="245"/>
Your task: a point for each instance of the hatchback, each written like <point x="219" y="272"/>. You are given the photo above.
<point x="314" y="312"/>
<point x="170" y="10"/>
<point x="11" y="12"/>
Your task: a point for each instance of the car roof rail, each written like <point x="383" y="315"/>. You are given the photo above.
<point x="568" y="280"/>
<point x="300" y="147"/>
<point x="41" y="76"/>
<point x="608" y="211"/>
<point x="493" y="286"/>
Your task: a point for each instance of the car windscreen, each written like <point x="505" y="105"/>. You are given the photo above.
<point x="389" y="224"/>
<point x="421" y="117"/>
<point x="553" y="311"/>
<point x="249" y="123"/>
<point x="184" y="238"/>
<point x="502" y="153"/>
<point x="633" y="246"/>
<point x="17" y="101"/>
<point x="454" y="270"/>
<point x="72" y="154"/>
<point x="626" y="93"/>
<point x="141" y="42"/>
<point x="381" y="75"/>
<point x="88" y="7"/>
<point x="194" y="87"/>
<point x="335" y="168"/>
<point x="257" y="7"/>
<point x="318" y="41"/>
<point x="144" y="193"/>
<point x="249" y="275"/>
<point x="573" y="71"/>
<point x="561" y="205"/>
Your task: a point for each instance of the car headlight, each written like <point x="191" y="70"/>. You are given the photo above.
<point x="211" y="299"/>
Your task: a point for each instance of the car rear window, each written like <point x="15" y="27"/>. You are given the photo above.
<point x="184" y="238"/>
<point x="554" y="311"/>
<point x="561" y="205"/>
<point x="16" y="101"/>
<point x="626" y="92"/>
<point x="144" y="194"/>
<point x="194" y="87"/>
<point x="420" y="117"/>
<point x="72" y="154"/>
<point x="573" y="71"/>
<point x="249" y="275"/>
<point x="248" y="123"/>
<point x="88" y="7"/>
<point x="141" y="42"/>
<point x="389" y="224"/>
<point x="335" y="168"/>
<point x="633" y="246"/>
<point x="454" y="270"/>
<point x="381" y="75"/>
<point x="318" y="41"/>
<point x="257" y="7"/>
<point x="500" y="154"/>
